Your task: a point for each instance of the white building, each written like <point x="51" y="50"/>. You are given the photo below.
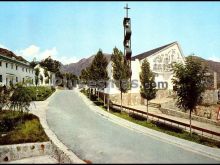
<point x="45" y="79"/>
<point x="161" y="60"/>
<point x="14" y="69"/>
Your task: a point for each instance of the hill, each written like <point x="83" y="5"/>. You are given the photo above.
<point x="76" y="68"/>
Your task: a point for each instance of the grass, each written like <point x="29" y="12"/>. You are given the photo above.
<point x="42" y="94"/>
<point x="16" y="128"/>
<point x="159" y="126"/>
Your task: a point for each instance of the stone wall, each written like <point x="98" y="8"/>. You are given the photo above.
<point x="26" y="150"/>
<point x="127" y="98"/>
<point x="133" y="98"/>
<point x="163" y="93"/>
<point x="186" y="116"/>
<point x="19" y="151"/>
<point x="210" y="97"/>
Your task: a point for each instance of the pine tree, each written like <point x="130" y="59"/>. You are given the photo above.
<point x="189" y="83"/>
<point x="148" y="87"/>
<point x="121" y="71"/>
<point x="98" y="72"/>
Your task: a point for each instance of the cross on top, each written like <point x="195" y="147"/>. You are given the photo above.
<point x="126" y="8"/>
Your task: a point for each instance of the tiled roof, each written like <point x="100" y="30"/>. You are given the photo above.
<point x="151" y="52"/>
<point x="10" y="54"/>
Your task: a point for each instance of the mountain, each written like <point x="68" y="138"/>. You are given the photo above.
<point x="76" y="68"/>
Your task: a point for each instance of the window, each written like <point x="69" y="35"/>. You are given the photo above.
<point x="16" y="79"/>
<point x="16" y="67"/>
<point x="6" y="64"/>
<point x="0" y="78"/>
<point x="26" y="69"/>
<point x="0" y="63"/>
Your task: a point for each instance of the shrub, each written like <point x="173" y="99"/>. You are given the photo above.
<point x="21" y="98"/>
<point x="41" y="93"/>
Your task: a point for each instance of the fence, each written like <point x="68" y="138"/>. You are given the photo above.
<point x="198" y="130"/>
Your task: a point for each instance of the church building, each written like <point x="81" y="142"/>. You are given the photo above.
<point x="161" y="60"/>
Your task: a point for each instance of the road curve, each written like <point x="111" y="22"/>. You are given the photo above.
<point x="94" y="138"/>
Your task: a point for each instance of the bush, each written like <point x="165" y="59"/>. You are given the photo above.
<point x="21" y="98"/>
<point x="41" y="93"/>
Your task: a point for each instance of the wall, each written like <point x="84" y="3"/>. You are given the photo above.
<point x="19" y="151"/>
<point x="41" y="69"/>
<point x="210" y="97"/>
<point x="20" y="73"/>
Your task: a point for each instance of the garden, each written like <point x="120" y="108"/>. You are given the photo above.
<point x="41" y="93"/>
<point x="17" y="125"/>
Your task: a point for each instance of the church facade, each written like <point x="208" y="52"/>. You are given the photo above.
<point x="161" y="60"/>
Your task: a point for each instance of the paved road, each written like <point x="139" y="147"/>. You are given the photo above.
<point x="94" y="138"/>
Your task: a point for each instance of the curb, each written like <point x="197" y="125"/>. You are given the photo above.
<point x="62" y="153"/>
<point x="187" y="145"/>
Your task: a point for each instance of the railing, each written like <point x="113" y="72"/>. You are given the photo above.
<point x="202" y="131"/>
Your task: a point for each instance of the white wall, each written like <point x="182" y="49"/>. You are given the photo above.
<point x="173" y="52"/>
<point x="13" y="73"/>
<point x="41" y="69"/>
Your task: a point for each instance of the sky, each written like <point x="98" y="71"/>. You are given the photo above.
<point x="70" y="31"/>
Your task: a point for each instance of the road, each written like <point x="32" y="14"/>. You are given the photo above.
<point x="92" y="137"/>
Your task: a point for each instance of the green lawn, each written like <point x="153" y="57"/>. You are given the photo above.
<point x="41" y="93"/>
<point x="159" y="126"/>
<point x="16" y="128"/>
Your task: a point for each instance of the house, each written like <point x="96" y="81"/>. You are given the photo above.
<point x="15" y="69"/>
<point x="45" y="77"/>
<point x="161" y="60"/>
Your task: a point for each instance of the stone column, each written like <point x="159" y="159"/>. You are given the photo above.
<point x="215" y="80"/>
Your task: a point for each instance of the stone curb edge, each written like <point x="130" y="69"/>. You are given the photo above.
<point x="66" y="155"/>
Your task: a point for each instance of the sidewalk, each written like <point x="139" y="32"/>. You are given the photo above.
<point x="156" y="111"/>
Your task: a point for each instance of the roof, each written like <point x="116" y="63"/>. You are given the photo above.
<point x="151" y="52"/>
<point x="10" y="56"/>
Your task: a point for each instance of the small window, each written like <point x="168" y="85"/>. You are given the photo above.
<point x="16" y="67"/>
<point x="6" y="64"/>
<point x="16" y="79"/>
<point x="0" y="78"/>
<point x="0" y="63"/>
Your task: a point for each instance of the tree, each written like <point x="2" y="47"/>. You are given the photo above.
<point x="4" y="97"/>
<point x="98" y="71"/>
<point x="46" y="75"/>
<point x="37" y="72"/>
<point x="121" y="71"/>
<point x="71" y="79"/>
<point x="148" y="86"/>
<point x="189" y="83"/>
<point x="21" y="98"/>
<point x="34" y="63"/>
<point x="51" y="65"/>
